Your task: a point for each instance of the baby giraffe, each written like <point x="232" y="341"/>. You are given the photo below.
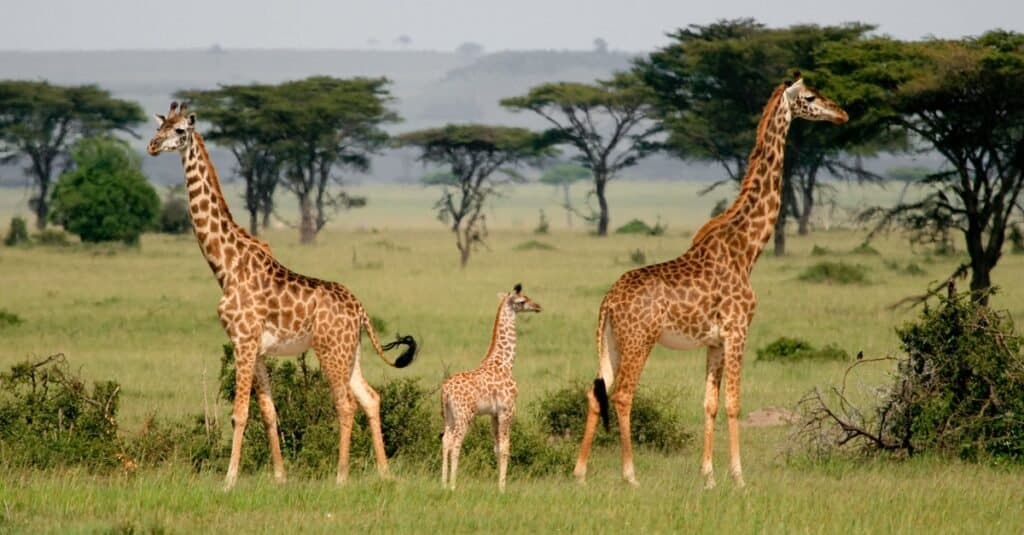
<point x="489" y="389"/>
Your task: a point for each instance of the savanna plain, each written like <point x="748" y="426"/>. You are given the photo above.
<point x="145" y="317"/>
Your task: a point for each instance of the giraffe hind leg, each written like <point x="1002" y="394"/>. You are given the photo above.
<point x="369" y="401"/>
<point x="711" y="395"/>
<point x="269" y="413"/>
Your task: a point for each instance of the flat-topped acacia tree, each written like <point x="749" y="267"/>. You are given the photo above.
<point x="40" y="122"/>
<point x="607" y="122"/>
<point x="480" y="159"/>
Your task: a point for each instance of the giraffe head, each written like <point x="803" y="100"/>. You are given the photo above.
<point x="806" y="103"/>
<point x="517" y="301"/>
<point x="174" y="132"/>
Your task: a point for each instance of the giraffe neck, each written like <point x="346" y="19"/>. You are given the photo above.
<point x="756" y="208"/>
<point x="503" y="340"/>
<point x="220" y="238"/>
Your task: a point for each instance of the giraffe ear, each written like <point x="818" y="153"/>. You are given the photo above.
<point x="191" y="119"/>
<point x="159" y="119"/>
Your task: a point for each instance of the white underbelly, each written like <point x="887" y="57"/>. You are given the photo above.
<point x="273" y="345"/>
<point x="681" y="341"/>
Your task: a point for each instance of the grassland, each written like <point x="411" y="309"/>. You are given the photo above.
<point x="145" y="317"/>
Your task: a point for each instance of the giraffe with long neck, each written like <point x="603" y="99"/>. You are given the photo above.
<point x="488" y="389"/>
<point x="267" y="309"/>
<point x="704" y="297"/>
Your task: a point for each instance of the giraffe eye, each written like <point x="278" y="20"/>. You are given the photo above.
<point x="179" y="131"/>
<point x="810" y="98"/>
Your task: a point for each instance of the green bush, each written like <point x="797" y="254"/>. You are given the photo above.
<point x="1015" y="236"/>
<point x="17" y="233"/>
<point x="821" y="251"/>
<point x="543" y="225"/>
<point x="105" y="197"/>
<point x="174" y="216"/>
<point x="534" y="245"/>
<point x="785" y="349"/>
<point x="638" y="257"/>
<point x="864" y="249"/>
<point x="637" y="226"/>
<point x="959" y="391"/>
<point x="52" y="237"/>
<point x="961" y="388"/>
<point x="655" y="419"/>
<point x="9" y="319"/>
<point x="835" y="273"/>
<point x="49" y="418"/>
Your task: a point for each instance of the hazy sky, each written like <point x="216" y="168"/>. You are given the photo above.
<point x="441" y="25"/>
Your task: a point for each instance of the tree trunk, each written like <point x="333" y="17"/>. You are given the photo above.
<point x="602" y="203"/>
<point x="981" y="280"/>
<point x="568" y="205"/>
<point x="779" y="234"/>
<point x="307" y="226"/>
<point x="42" y="209"/>
<point x="804" y="221"/>
<point x="254" y="222"/>
<point x="267" y="208"/>
<point x="462" y="242"/>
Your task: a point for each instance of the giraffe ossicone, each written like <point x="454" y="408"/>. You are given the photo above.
<point x="487" y="389"/>
<point x="703" y="298"/>
<point x="267" y="309"/>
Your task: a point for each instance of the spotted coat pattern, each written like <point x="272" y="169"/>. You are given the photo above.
<point x="702" y="298"/>
<point x="267" y="309"/>
<point x="488" y="389"/>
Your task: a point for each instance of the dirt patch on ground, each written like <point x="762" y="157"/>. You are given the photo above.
<point x="769" y="417"/>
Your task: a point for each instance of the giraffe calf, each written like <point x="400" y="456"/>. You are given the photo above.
<point x="488" y="389"/>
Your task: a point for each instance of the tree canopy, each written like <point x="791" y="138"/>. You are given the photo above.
<point x="965" y="100"/>
<point x="473" y="153"/>
<point x="606" y="122"/>
<point x="40" y="121"/>
<point x="298" y="135"/>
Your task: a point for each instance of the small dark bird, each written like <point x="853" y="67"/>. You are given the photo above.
<point x="860" y="355"/>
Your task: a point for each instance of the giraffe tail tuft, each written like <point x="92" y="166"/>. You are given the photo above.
<point x="408" y="355"/>
<point x="601" y="394"/>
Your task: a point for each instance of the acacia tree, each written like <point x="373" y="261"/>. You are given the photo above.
<point x="40" y="122"/>
<point x="965" y="100"/>
<point x="474" y="155"/>
<point x="242" y="121"/>
<point x="327" y="124"/>
<point x="606" y="122"/>
<point x="563" y="176"/>
<point x="709" y="87"/>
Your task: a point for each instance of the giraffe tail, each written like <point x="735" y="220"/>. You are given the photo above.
<point x="606" y="373"/>
<point x="408" y="341"/>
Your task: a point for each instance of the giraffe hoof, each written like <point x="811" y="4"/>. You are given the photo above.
<point x="709" y="482"/>
<point x="632" y="482"/>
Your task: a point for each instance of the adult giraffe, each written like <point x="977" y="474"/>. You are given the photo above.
<point x="268" y="309"/>
<point x="702" y="298"/>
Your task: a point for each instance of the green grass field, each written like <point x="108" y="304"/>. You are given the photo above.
<point x="146" y="318"/>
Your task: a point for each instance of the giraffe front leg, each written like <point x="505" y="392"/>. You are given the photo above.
<point x="734" y="348"/>
<point x="711" y="394"/>
<point x="346" y="417"/>
<point x="504" y="421"/>
<point x="458" y="435"/>
<point x="245" y="362"/>
<point x="269" y="413"/>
